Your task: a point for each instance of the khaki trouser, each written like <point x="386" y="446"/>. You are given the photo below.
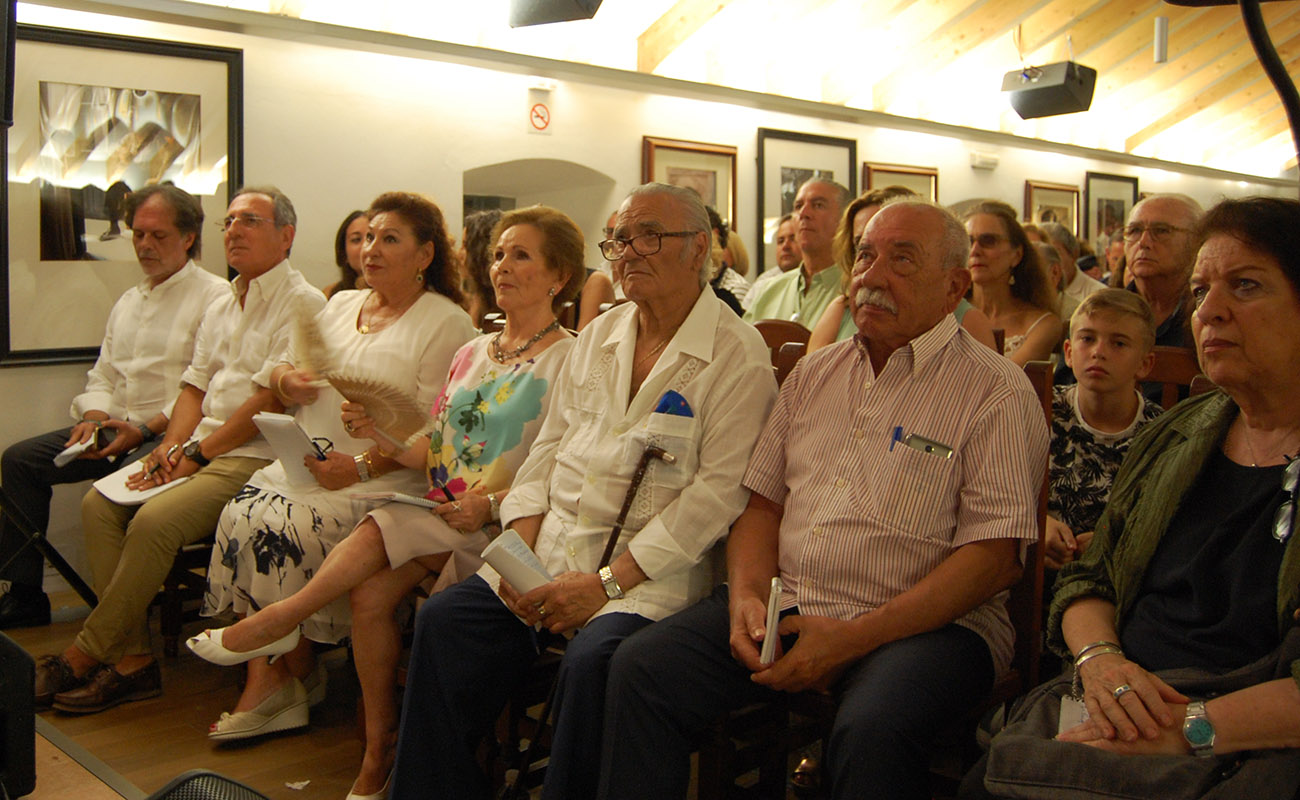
<point x="131" y="549"/>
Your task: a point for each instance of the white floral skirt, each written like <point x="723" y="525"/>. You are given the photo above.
<point x="267" y="547"/>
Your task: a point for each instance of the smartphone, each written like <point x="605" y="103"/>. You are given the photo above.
<point x="930" y="446"/>
<point x="768" y="654"/>
<point x="104" y="437"/>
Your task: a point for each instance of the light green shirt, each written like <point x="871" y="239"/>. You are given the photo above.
<point x="784" y="297"/>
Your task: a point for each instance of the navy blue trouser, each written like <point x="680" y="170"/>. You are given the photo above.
<point x="469" y="652"/>
<point x="27" y="472"/>
<point x="669" y="682"/>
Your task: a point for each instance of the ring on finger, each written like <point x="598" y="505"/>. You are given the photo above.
<point x="455" y="506"/>
<point x="348" y="426"/>
<point x="541" y="611"/>
<point x="1121" y="690"/>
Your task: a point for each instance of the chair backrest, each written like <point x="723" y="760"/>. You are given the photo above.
<point x="777" y="332"/>
<point x="785" y="357"/>
<point x="1025" y="601"/>
<point x="999" y="340"/>
<point x="1174" y="369"/>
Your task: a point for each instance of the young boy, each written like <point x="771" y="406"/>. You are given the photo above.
<point x="1109" y="350"/>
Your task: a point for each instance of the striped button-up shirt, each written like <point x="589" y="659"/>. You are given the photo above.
<point x="867" y="512"/>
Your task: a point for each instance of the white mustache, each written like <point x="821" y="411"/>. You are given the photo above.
<point x="876" y="297"/>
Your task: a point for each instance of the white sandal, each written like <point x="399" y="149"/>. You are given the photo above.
<point x="208" y="646"/>
<point x="285" y="709"/>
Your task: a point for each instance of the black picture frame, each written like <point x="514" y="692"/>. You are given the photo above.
<point x="783" y="159"/>
<point x="208" y="66"/>
<point x="1118" y="193"/>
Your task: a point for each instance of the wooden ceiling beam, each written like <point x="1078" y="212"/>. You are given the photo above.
<point x="973" y="24"/>
<point x="667" y="33"/>
<point x="1194" y="39"/>
<point x="1091" y="31"/>
<point x="1239" y="81"/>
<point x="1051" y="21"/>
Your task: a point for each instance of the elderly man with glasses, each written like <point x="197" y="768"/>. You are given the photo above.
<point x="650" y="424"/>
<point x="210" y="440"/>
<point x="890" y="493"/>
<point x="1159" y="251"/>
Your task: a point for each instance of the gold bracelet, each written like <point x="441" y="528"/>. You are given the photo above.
<point x="279" y="386"/>
<point x="370" y="465"/>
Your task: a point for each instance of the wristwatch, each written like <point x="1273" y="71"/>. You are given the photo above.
<point x="146" y="433"/>
<point x="612" y="590"/>
<point x="1198" y="730"/>
<point x="363" y="471"/>
<point x="494" y="506"/>
<point x="194" y="452"/>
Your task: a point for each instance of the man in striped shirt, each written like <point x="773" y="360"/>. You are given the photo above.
<point x="890" y="491"/>
<point x="148" y="343"/>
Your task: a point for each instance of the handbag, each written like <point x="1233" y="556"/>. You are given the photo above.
<point x="1026" y="762"/>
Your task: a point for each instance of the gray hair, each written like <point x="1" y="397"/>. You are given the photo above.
<point x="1061" y="235"/>
<point x="842" y="195"/>
<point x="697" y="218"/>
<point x="282" y="208"/>
<point x="954" y="243"/>
<point x="1193" y="208"/>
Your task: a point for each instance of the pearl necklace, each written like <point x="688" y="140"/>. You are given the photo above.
<point x="518" y="351"/>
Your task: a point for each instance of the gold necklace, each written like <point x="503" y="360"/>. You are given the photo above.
<point x="646" y="357"/>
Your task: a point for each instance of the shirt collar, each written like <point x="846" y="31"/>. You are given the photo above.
<point x="694" y="338"/>
<point x="175" y="278"/>
<point x="921" y="350"/>
<point x="263" y="285"/>
<point x="819" y="279"/>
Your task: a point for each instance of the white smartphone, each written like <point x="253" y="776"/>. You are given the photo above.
<point x="768" y="654"/>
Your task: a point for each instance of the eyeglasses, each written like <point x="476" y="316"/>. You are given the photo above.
<point x="988" y="240"/>
<point x="322" y="446"/>
<point x="246" y="220"/>
<point x="643" y="244"/>
<point x="1284" y="519"/>
<point x="1160" y="231"/>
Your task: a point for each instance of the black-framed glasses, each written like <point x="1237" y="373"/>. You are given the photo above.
<point x="988" y="240"/>
<point x="246" y="220"/>
<point x="1284" y="519"/>
<point x="1160" y="231"/>
<point x="643" y="244"/>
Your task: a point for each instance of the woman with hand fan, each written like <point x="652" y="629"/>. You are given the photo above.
<point x="395" y="338"/>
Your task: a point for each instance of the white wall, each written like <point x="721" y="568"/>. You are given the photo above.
<point x="334" y="127"/>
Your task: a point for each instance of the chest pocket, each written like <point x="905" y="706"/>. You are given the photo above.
<point x="584" y="417"/>
<point x="913" y="492"/>
<point x="253" y="351"/>
<point x="677" y="435"/>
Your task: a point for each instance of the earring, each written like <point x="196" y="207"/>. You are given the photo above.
<point x="551" y="293"/>
<point x="419" y="276"/>
<point x="1012" y="280"/>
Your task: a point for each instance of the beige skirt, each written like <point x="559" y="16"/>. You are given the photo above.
<point x="410" y="532"/>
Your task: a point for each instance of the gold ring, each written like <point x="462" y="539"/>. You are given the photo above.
<point x="541" y="611"/>
<point x="455" y="506"/>
<point x="348" y="426"/>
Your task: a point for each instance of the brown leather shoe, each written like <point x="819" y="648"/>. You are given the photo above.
<point x="54" y="674"/>
<point x="107" y="687"/>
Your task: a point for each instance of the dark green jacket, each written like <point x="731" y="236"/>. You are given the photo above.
<point x="1161" y="466"/>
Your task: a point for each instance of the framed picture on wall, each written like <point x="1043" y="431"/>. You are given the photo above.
<point x="96" y="116"/>
<point x="922" y="180"/>
<point x="786" y="160"/>
<point x="709" y="169"/>
<point x="1052" y="202"/>
<point x="1107" y="201"/>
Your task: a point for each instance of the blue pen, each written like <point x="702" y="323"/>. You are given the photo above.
<point x="898" y="437"/>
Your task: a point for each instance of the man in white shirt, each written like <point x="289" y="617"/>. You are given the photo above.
<point x="210" y="439"/>
<point x="787" y="258"/>
<point x="148" y="343"/>
<point x="1077" y="285"/>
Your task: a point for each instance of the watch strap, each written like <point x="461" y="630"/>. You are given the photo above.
<point x="146" y="433"/>
<point x="363" y="470"/>
<point x="194" y="452"/>
<point x="495" y="506"/>
<point x="612" y="590"/>
<point x="1198" y="730"/>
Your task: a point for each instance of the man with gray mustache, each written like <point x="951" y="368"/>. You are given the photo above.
<point x="891" y="490"/>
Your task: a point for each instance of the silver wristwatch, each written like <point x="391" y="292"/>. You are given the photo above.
<point x="612" y="590"/>
<point x="495" y="507"/>
<point x="1198" y="730"/>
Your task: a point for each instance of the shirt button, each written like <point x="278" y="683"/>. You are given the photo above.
<point x="858" y="433"/>
<point x="817" y="530"/>
<point x="840" y="483"/>
<point x="572" y="552"/>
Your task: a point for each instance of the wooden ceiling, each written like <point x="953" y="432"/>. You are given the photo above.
<point x="1209" y="104"/>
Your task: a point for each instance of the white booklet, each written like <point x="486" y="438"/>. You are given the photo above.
<point x="66" y="456"/>
<point x="516" y="561"/>
<point x="113" y="486"/>
<point x="396" y="497"/>
<point x="290" y="443"/>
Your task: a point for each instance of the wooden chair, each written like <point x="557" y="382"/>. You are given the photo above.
<point x="1175" y="368"/>
<point x="184" y="586"/>
<point x="759" y="738"/>
<point x="785" y="357"/>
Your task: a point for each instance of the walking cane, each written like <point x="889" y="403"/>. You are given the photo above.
<point x="521" y="767"/>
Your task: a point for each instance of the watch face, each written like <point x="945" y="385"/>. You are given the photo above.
<point x="1199" y="732"/>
